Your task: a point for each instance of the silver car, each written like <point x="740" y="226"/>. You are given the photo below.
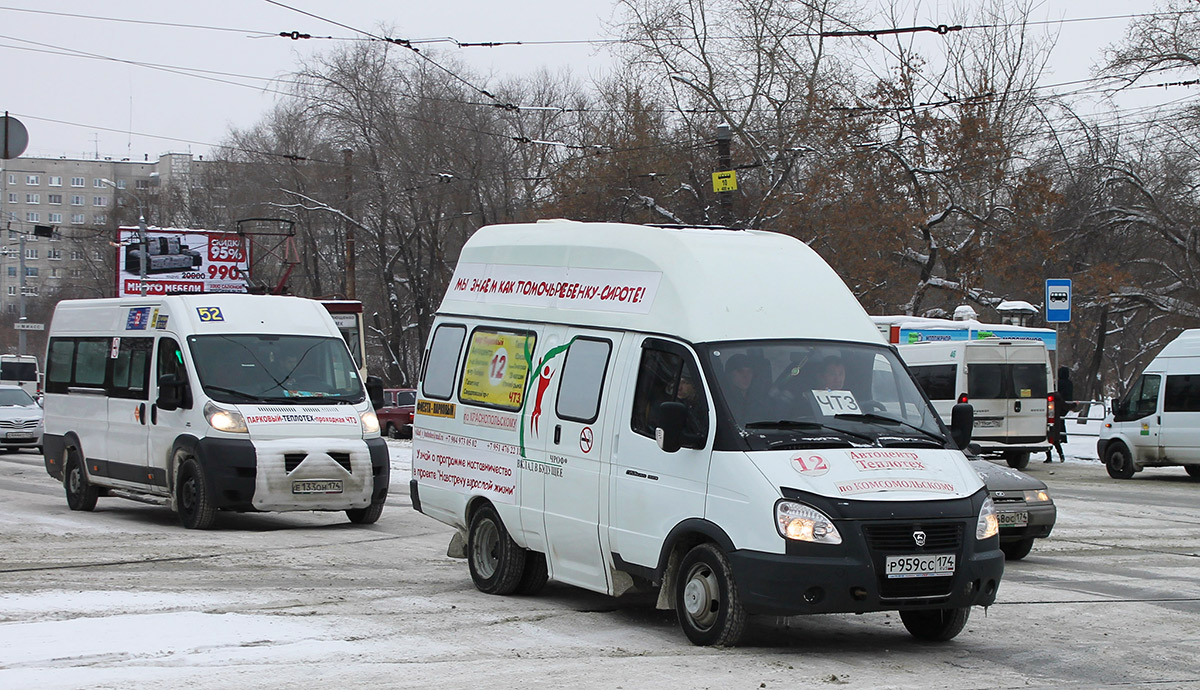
<point x="20" y="420"/>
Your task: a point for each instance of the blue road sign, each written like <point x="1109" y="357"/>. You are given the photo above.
<point x="1058" y="300"/>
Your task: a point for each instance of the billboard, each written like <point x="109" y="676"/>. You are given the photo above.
<point x="179" y="260"/>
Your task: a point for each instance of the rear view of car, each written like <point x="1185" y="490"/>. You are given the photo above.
<point x="20" y="420"/>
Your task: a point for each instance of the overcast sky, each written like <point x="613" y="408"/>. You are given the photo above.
<point x="84" y="107"/>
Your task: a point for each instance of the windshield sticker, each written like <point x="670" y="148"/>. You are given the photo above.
<point x="810" y="465"/>
<point x="836" y="402"/>
<point x="866" y="486"/>
<point x="138" y="319"/>
<point x="871" y="461"/>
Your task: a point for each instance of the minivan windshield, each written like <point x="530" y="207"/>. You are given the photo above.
<point x="807" y="393"/>
<point x="275" y="368"/>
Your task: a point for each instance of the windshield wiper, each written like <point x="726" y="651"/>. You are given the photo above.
<point x="800" y="424"/>
<point x="872" y="417"/>
<point x="231" y="391"/>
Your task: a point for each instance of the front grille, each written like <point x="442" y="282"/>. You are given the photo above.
<point x="342" y="459"/>
<point x="18" y="423"/>
<point x="898" y="538"/>
<point x="292" y="460"/>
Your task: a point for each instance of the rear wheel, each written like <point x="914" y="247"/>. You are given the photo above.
<point x="193" y="498"/>
<point x="536" y="574"/>
<point x="706" y="600"/>
<point x="495" y="560"/>
<point x="81" y="495"/>
<point x="936" y="625"/>
<point x="1016" y="550"/>
<point x="365" y="516"/>
<point x="1118" y="461"/>
<point x="1193" y="470"/>
<point x="1017" y="461"/>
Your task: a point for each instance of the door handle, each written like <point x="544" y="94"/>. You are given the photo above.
<point x="142" y="413"/>
<point x="153" y="413"/>
<point x="557" y="433"/>
<point x="1017" y="406"/>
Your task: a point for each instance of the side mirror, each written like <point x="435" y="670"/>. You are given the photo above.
<point x="375" y="391"/>
<point x="962" y="423"/>
<point x="668" y="421"/>
<point x="173" y="393"/>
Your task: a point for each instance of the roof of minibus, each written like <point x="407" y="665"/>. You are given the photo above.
<point x="698" y="284"/>
<point x="1186" y="344"/>
<point x="183" y="314"/>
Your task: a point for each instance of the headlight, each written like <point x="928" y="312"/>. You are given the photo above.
<point x="801" y="522"/>
<point x="988" y="525"/>
<point x="224" y="420"/>
<point x="1037" y="496"/>
<point x="370" y="423"/>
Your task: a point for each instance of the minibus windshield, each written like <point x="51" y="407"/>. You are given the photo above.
<point x="785" y="391"/>
<point x="275" y="368"/>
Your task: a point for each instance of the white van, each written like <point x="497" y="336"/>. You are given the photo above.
<point x="614" y="406"/>
<point x="210" y="402"/>
<point x="1157" y="422"/>
<point x="1008" y="383"/>
<point x="23" y="371"/>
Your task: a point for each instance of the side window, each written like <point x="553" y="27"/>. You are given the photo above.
<point x="1140" y="401"/>
<point x="496" y="368"/>
<point x="1183" y="394"/>
<point x="131" y="369"/>
<point x="59" y="363"/>
<point x="937" y="380"/>
<point x="91" y="357"/>
<point x="582" y="380"/>
<point x="669" y="377"/>
<point x="437" y="381"/>
<point x="170" y="360"/>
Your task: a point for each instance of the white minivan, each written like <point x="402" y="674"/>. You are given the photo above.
<point x="1007" y="382"/>
<point x="210" y="402"/>
<point x="1157" y="422"/>
<point x="708" y="412"/>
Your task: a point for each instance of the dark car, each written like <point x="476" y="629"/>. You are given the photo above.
<point x="396" y="415"/>
<point x="1023" y="506"/>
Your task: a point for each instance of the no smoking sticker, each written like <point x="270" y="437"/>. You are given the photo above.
<point x="585" y="439"/>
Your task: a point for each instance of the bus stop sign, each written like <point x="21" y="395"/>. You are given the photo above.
<point x="1058" y="300"/>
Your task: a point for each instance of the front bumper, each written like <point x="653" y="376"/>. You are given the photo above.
<point x="1040" y="521"/>
<point x="850" y="577"/>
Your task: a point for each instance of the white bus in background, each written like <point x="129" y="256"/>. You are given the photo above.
<point x="22" y="370"/>
<point x="1157" y="422"/>
<point x="210" y="402"/>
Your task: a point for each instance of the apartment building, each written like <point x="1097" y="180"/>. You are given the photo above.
<point x="82" y="201"/>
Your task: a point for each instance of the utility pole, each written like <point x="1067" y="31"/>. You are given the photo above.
<point x="725" y="172"/>
<point x="348" y="176"/>
<point x="21" y="298"/>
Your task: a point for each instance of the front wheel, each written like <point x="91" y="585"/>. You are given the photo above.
<point x="1017" y="461"/>
<point x="365" y="516"/>
<point x="495" y="560"/>
<point x="1016" y="550"/>
<point x="81" y="495"/>
<point x="391" y="431"/>
<point x="936" y="625"/>
<point x="1118" y="461"/>
<point x="706" y="600"/>
<point x="193" y="498"/>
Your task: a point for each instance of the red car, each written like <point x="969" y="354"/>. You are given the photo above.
<point x="396" y="415"/>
